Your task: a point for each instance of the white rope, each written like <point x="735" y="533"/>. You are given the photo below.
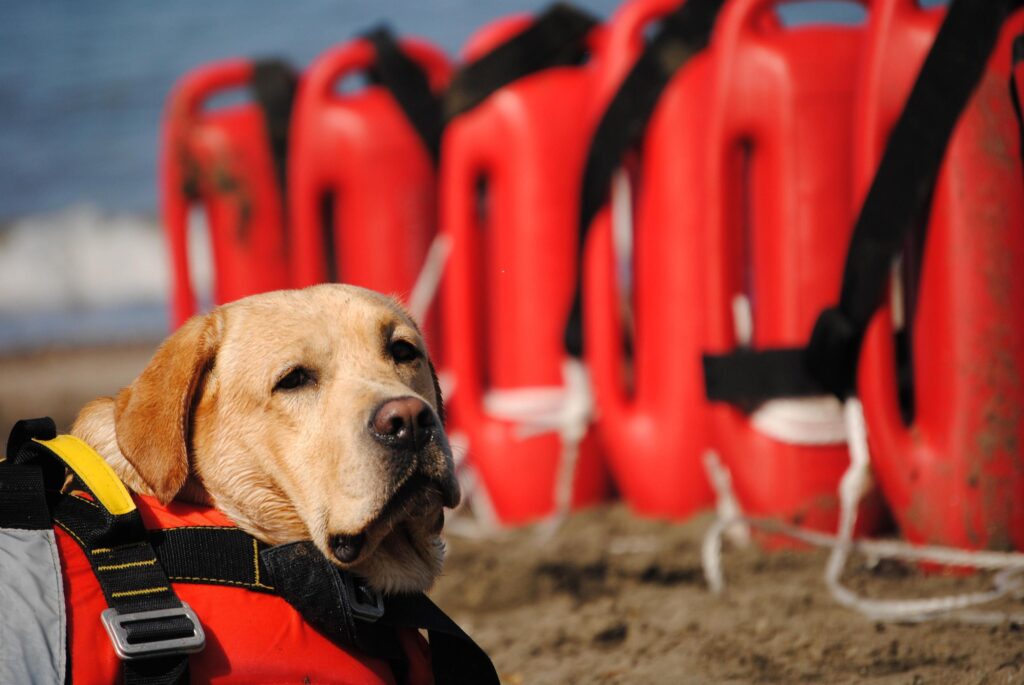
<point x="801" y="420"/>
<point x="482" y="522"/>
<point x="854" y="484"/>
<point x="726" y="503"/>
<point x="565" y="410"/>
<point x="425" y="288"/>
<point x="742" y="320"/>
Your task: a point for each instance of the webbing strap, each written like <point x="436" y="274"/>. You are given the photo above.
<point x="115" y="544"/>
<point x="682" y="34"/>
<point x="1016" y="79"/>
<point x="899" y="197"/>
<point x="326" y="597"/>
<point x="212" y="555"/>
<point x="456" y="659"/>
<point x="555" y="38"/>
<point x="410" y="86"/>
<point x="273" y="86"/>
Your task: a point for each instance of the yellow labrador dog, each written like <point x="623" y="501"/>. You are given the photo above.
<point x="303" y="415"/>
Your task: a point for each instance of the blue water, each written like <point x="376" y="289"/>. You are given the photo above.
<point x="82" y="84"/>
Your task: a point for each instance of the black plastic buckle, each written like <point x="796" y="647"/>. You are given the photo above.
<point x="367" y="604"/>
<point x="116" y="624"/>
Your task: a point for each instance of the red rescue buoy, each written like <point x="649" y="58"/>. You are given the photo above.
<point x="779" y="216"/>
<point x="510" y="173"/>
<point x="361" y="178"/>
<point x="230" y="161"/>
<point x="653" y="412"/>
<point x="949" y="456"/>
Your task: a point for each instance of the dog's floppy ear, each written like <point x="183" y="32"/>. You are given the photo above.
<point x="152" y="415"/>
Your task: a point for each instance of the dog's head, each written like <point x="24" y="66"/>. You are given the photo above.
<point x="303" y="415"/>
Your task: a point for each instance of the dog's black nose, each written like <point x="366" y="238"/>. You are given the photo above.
<point x="403" y="423"/>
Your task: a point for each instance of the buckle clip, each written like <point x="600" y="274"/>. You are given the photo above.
<point x="117" y="625"/>
<point x="367" y="604"/>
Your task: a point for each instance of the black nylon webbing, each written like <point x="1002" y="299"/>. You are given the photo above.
<point x="899" y="197"/>
<point x="555" y="38"/>
<point x="456" y="659"/>
<point x="409" y="85"/>
<point x="211" y="555"/>
<point x="23" y="499"/>
<point x="307" y="581"/>
<point x="115" y="545"/>
<point x="683" y="33"/>
<point x="1018" y="106"/>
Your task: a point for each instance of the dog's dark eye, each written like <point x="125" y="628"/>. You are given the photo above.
<point x="403" y="351"/>
<point x="296" y="378"/>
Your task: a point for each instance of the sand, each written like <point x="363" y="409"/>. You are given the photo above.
<point x="611" y="598"/>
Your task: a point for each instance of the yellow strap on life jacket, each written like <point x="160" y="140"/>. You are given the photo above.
<point x="96" y="473"/>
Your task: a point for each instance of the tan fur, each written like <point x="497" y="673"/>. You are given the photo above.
<point x="204" y="423"/>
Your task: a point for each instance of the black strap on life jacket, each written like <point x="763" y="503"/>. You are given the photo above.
<point x="409" y="84"/>
<point x="899" y="197"/>
<point x="337" y="604"/>
<point x="136" y="567"/>
<point x="273" y="86"/>
<point x="556" y="38"/>
<point x="145" y="617"/>
<point x="682" y="34"/>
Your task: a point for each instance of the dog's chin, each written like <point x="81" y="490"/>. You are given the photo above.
<point x="408" y="558"/>
<point x="403" y="550"/>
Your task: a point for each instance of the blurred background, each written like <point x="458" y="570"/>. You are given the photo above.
<point x="82" y="88"/>
<point x="84" y="270"/>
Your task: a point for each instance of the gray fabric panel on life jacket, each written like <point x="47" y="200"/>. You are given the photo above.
<point x="33" y="621"/>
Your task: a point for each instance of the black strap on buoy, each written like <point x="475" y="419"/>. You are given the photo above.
<point x="555" y="38"/>
<point x="1018" y="106"/>
<point x="899" y="197"/>
<point x="273" y="87"/>
<point x="409" y="84"/>
<point x="682" y="34"/>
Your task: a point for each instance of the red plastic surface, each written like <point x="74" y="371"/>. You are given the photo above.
<point x="655" y="427"/>
<point x="955" y="475"/>
<point x="778" y="224"/>
<point x="358" y="150"/>
<point x="509" y="282"/>
<point x="223" y="156"/>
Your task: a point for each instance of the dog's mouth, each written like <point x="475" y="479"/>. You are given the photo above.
<point x="414" y="514"/>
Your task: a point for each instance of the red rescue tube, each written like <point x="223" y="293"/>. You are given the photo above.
<point x="510" y="177"/>
<point x="656" y="430"/>
<point x="357" y="157"/>
<point x="779" y="218"/>
<point x="222" y="160"/>
<point x="953" y="474"/>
